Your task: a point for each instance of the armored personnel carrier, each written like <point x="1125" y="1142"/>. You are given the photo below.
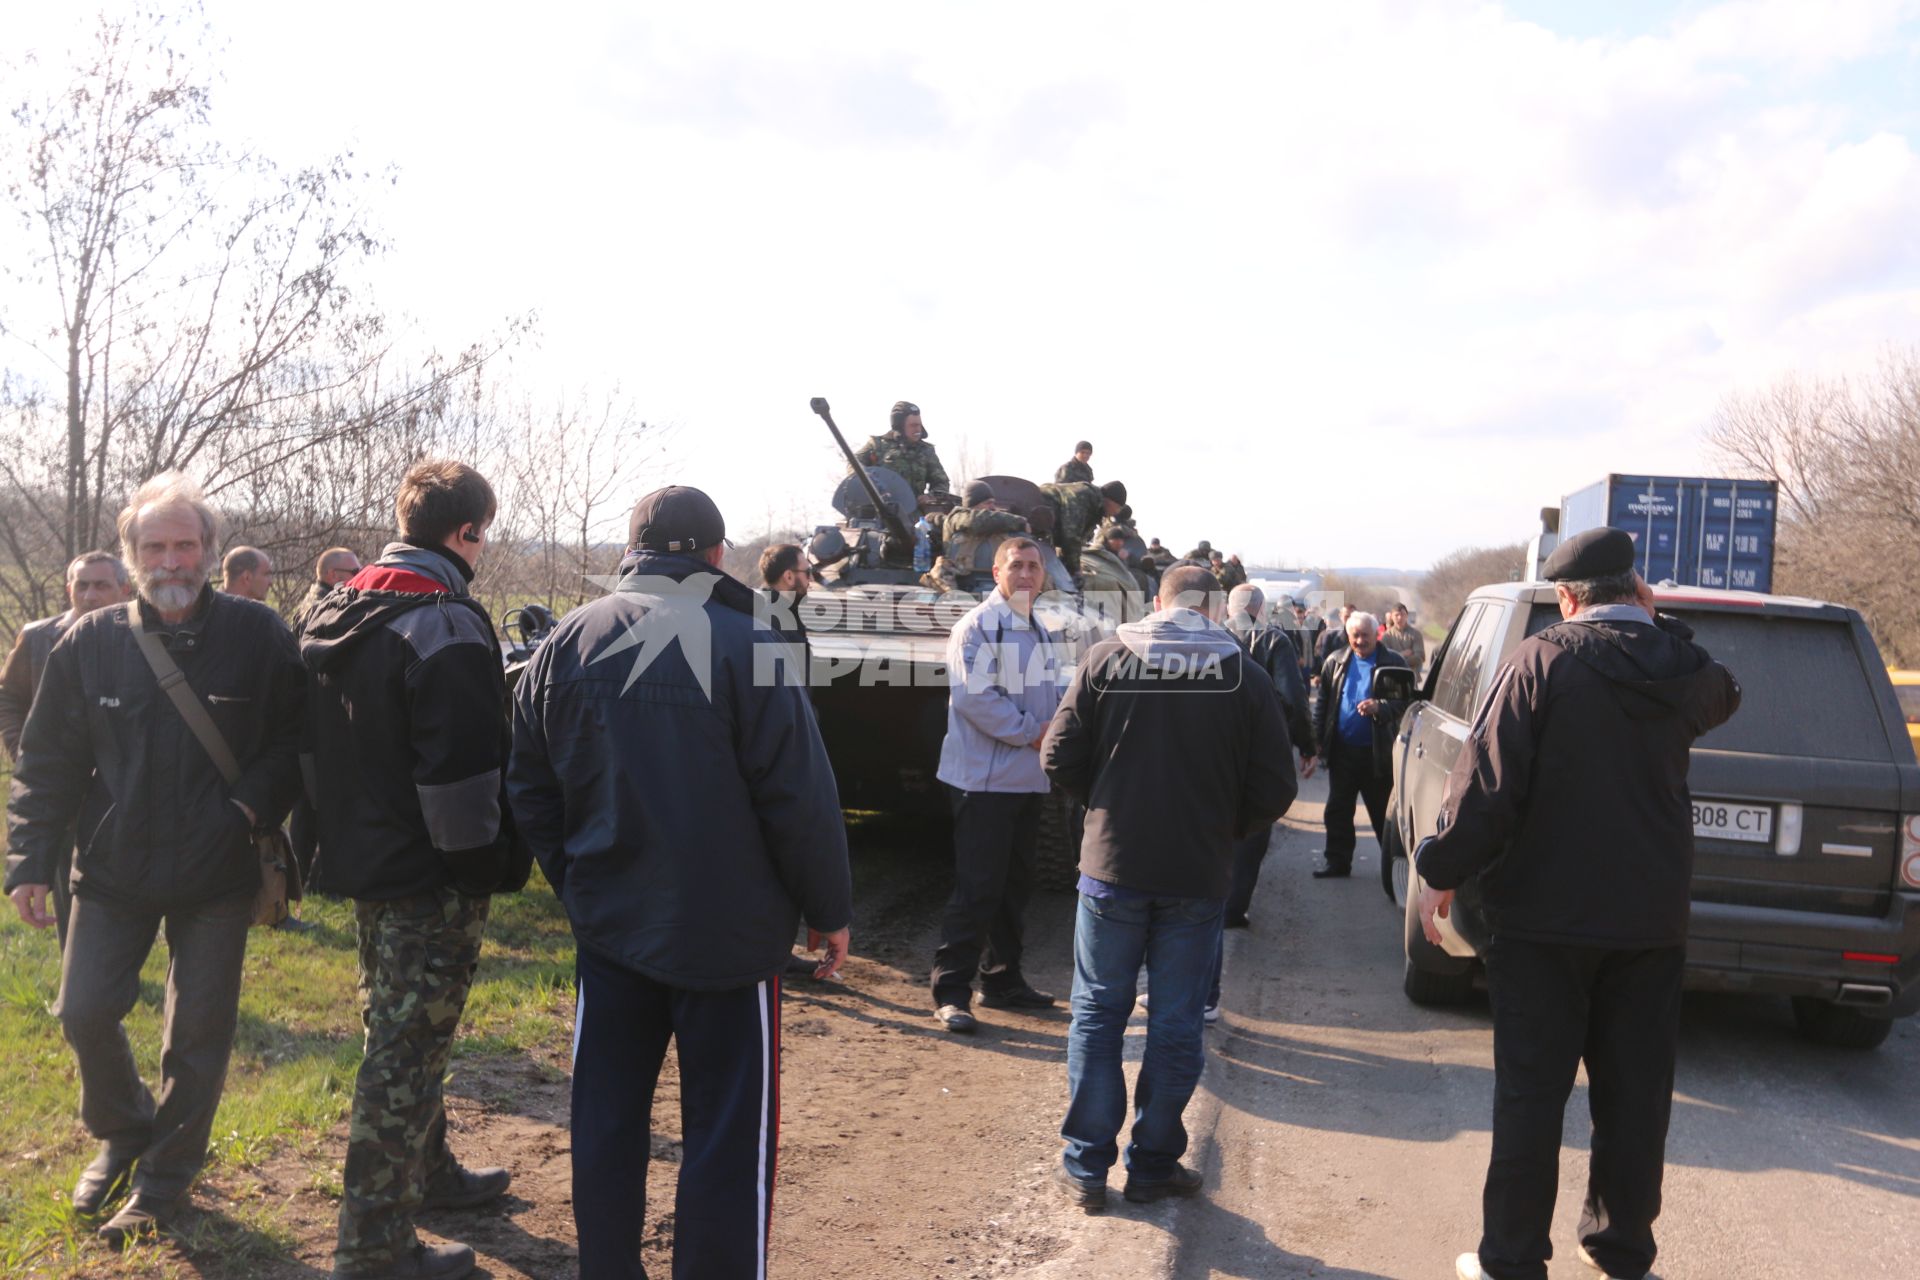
<point x="878" y="640"/>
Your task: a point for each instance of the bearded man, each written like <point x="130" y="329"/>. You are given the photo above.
<point x="165" y="841"/>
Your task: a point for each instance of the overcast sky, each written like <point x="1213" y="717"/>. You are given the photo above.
<point x="1340" y="284"/>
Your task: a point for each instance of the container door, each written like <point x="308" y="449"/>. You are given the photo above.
<point x="1652" y="509"/>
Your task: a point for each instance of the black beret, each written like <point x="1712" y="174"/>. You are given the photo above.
<point x="1593" y="554"/>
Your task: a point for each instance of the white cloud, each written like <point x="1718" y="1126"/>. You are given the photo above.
<point x="1272" y="259"/>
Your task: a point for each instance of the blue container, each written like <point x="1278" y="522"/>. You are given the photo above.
<point x="1697" y="531"/>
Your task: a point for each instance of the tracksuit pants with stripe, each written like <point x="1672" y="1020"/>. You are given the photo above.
<point x="728" y="1048"/>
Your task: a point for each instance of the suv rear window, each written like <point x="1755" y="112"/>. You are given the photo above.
<point x="1803" y="691"/>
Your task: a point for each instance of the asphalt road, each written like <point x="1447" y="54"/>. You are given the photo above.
<point x="1344" y="1131"/>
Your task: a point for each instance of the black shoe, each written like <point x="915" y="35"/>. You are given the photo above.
<point x="1184" y="1182"/>
<point x="141" y="1218"/>
<point x="1085" y="1192"/>
<point x="1020" y="997"/>
<point x="101" y="1183"/>
<point x="1332" y="871"/>
<point x="422" y="1262"/>
<point x="1235" y="922"/>
<point x="956" y="1019"/>
<point x="801" y="967"/>
<point x="294" y="924"/>
<point x="464" y="1188"/>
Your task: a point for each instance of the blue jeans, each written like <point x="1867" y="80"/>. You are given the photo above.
<point x="1176" y="939"/>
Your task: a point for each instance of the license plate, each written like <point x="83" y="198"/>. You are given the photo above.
<point x="1723" y="820"/>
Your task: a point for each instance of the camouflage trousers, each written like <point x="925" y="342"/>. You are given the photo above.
<point x="417" y="960"/>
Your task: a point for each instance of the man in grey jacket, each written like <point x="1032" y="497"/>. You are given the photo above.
<point x="1004" y="683"/>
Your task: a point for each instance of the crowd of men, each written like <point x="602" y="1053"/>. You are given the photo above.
<point x="689" y="823"/>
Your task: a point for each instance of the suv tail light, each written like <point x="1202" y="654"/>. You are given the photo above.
<point x="1910" y="851"/>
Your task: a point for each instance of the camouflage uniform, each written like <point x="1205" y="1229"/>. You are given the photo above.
<point x="1077" y="511"/>
<point x="1200" y="553"/>
<point x="966" y="529"/>
<point x="1073" y="470"/>
<point x="417" y="960"/>
<point x="1230" y="574"/>
<point x="914" y="460"/>
<point x="1112" y="588"/>
<point x="1408" y="643"/>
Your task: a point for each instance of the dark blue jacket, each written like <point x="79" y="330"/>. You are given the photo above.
<point x="672" y="782"/>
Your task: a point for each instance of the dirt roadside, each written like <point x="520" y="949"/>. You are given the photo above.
<point x="905" y="1152"/>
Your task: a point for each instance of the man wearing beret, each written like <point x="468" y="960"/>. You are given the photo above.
<point x="1580" y="827"/>
<point x="681" y="803"/>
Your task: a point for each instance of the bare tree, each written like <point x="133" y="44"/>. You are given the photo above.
<point x="1456" y="575"/>
<point x="1846" y="457"/>
<point x="188" y="307"/>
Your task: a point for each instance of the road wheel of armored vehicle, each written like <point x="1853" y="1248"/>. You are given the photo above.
<point x="1057" y="860"/>
<point x="1836" y="1025"/>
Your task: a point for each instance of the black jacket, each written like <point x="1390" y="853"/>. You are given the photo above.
<point x="686" y="814"/>
<point x="1172" y="737"/>
<point x="1570" y="796"/>
<point x="1273" y="650"/>
<point x="1333" y="680"/>
<point x="409" y="734"/>
<point x="106" y="760"/>
<point x="1332" y="639"/>
<point x="26" y="663"/>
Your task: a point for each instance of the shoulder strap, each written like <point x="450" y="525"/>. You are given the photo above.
<point x="173" y="682"/>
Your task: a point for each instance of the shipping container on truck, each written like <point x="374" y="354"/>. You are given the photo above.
<point x="1697" y="531"/>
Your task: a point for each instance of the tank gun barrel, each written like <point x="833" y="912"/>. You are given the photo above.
<point x="895" y="525"/>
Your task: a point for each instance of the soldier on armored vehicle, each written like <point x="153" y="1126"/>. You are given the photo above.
<point x="905" y="451"/>
<point x="970" y="536"/>
<point x="1078" y="511"/>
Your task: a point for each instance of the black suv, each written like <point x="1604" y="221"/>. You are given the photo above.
<point x="1806" y="807"/>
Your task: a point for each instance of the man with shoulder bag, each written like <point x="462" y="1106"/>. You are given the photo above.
<point x="410" y="740"/>
<point x="165" y="733"/>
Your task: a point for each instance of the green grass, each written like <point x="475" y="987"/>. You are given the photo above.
<point x="289" y="1086"/>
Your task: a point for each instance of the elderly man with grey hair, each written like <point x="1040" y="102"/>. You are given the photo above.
<point x="1345" y="723"/>
<point x="165" y="840"/>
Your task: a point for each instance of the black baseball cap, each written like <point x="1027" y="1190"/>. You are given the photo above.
<point x="676" y="518"/>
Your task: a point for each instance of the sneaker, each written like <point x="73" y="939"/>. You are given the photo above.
<point x="1467" y="1267"/>
<point x="422" y="1262"/>
<point x="1085" y="1192"/>
<point x="1020" y="997"/>
<point x="463" y="1188"/>
<point x="1210" y="1014"/>
<point x="141" y="1218"/>
<point x="955" y="1019"/>
<point x="1182" y="1182"/>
